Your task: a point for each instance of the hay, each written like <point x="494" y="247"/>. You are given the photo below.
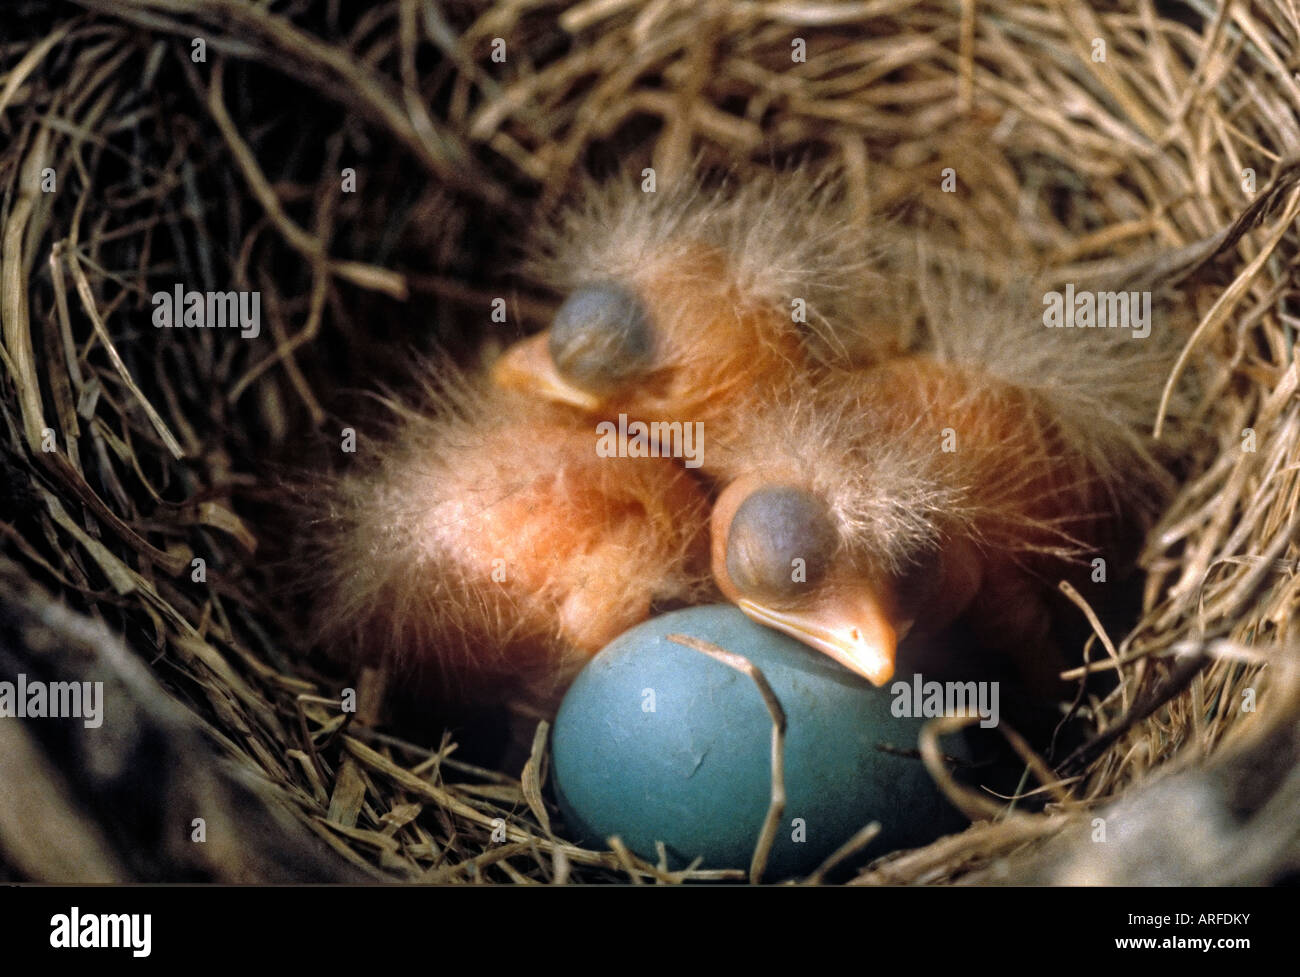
<point x="226" y="173"/>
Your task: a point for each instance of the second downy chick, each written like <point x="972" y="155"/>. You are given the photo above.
<point x="959" y="483"/>
<point x="698" y="305"/>
<point x="488" y="550"/>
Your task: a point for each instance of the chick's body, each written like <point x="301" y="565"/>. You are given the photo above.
<point x="492" y="550"/>
<point x="957" y="484"/>
<point x="700" y="306"/>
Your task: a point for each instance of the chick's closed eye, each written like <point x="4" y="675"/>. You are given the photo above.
<point x="601" y="338"/>
<point x="781" y="540"/>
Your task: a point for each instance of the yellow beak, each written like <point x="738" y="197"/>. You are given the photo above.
<point x="527" y="367"/>
<point x="850" y="627"/>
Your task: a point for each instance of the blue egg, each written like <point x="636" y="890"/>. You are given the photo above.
<point x="659" y="742"/>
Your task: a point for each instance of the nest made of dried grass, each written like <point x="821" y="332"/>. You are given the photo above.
<point x="226" y="173"/>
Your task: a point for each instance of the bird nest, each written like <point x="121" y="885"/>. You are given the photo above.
<point x="368" y="172"/>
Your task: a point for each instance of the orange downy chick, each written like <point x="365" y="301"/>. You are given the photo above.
<point x="491" y="551"/>
<point x="956" y="485"/>
<point x="700" y="306"/>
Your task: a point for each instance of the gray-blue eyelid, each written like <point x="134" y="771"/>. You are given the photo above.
<point x="601" y="337"/>
<point x="773" y="527"/>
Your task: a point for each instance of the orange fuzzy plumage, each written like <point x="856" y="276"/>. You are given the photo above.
<point x="738" y="296"/>
<point x="491" y="551"/>
<point x="958" y="483"/>
<point x="911" y="481"/>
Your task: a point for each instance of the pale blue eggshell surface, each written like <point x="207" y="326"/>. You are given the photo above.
<point x="656" y="741"/>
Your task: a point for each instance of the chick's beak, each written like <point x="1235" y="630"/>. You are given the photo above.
<point x="849" y="626"/>
<point x="527" y="367"/>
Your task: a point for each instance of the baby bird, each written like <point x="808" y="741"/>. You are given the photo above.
<point x="957" y="484"/>
<point x="491" y="550"/>
<point x="697" y="306"/>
